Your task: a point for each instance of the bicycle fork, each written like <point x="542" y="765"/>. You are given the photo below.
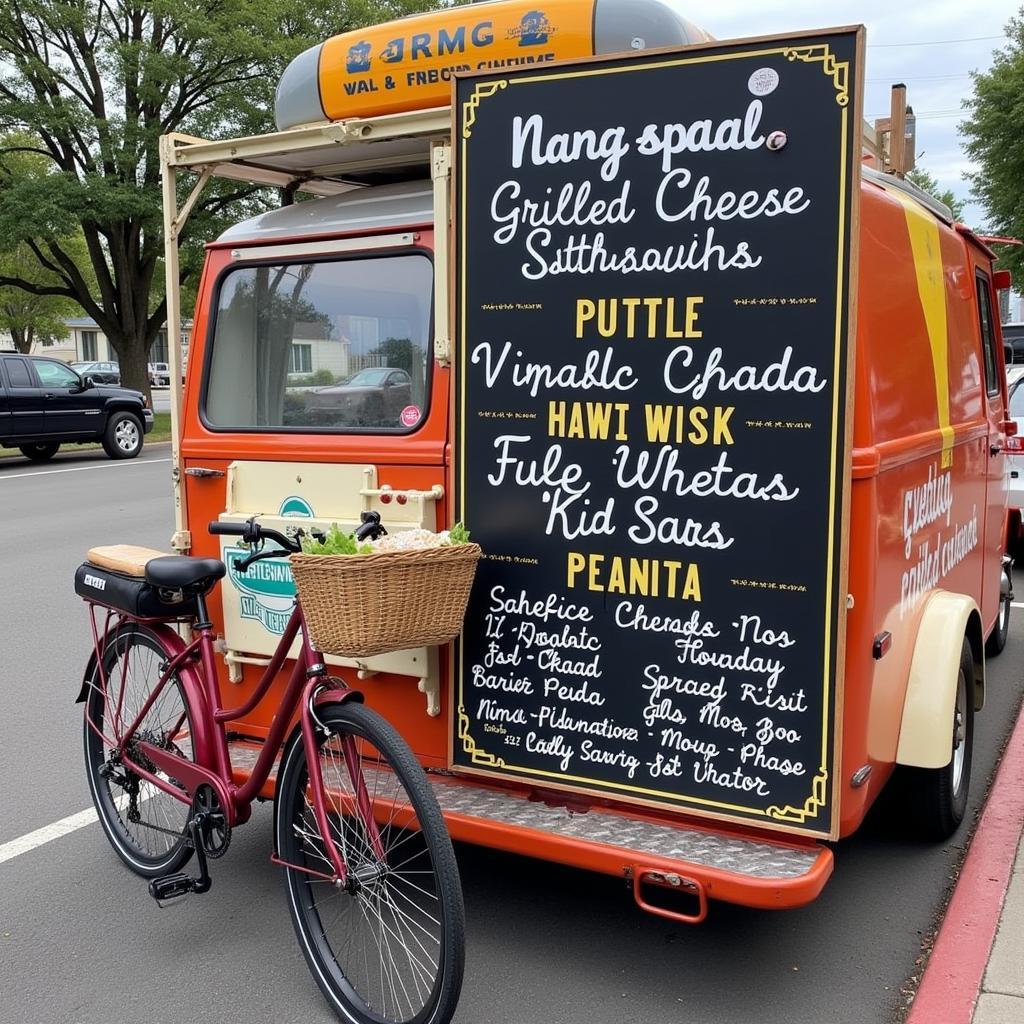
<point x="318" y="693"/>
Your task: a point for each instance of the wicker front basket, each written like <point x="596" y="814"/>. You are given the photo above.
<point x="360" y="605"/>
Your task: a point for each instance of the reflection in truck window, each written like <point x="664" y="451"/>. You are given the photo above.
<point x="987" y="335"/>
<point x="327" y="346"/>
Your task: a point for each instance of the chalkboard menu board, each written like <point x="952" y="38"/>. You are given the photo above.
<point x="653" y="303"/>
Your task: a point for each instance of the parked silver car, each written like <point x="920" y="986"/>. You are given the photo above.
<point x="374" y="397"/>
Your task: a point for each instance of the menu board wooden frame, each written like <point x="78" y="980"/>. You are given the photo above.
<point x="818" y="814"/>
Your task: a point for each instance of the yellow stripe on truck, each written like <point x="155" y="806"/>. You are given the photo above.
<point x="408" y="64"/>
<point x="931" y="289"/>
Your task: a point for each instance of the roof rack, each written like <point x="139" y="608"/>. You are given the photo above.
<point x="321" y="159"/>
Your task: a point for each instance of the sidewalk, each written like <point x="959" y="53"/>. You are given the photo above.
<point x="1002" y="989"/>
<point x="975" y="974"/>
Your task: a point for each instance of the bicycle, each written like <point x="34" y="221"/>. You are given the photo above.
<point x="357" y="827"/>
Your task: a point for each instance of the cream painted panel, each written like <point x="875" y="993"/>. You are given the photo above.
<point x="286" y="496"/>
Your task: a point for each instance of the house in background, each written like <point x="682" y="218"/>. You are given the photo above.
<point x="63" y="348"/>
<point x="86" y="343"/>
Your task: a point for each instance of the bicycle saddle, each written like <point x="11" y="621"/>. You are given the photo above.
<point x="181" y="572"/>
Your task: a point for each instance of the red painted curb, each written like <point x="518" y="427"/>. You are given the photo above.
<point x="951" y="983"/>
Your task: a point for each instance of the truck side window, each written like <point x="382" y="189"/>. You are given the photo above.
<point x="56" y="375"/>
<point x="17" y="373"/>
<point x="336" y="345"/>
<point x="988" y="339"/>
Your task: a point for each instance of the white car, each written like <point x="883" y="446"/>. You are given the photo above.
<point x="1015" y="462"/>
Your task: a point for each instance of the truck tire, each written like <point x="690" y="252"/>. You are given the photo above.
<point x="39" y="452"/>
<point x="997" y="638"/>
<point x="936" y="798"/>
<point x="123" y="437"/>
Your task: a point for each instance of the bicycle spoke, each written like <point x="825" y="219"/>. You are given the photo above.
<point x="131" y="671"/>
<point x="383" y="931"/>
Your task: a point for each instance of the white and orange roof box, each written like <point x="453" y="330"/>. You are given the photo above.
<point x="408" y="64"/>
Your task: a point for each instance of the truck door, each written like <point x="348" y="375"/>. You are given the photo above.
<point x="996" y="487"/>
<point x="25" y="398"/>
<point x="68" y="408"/>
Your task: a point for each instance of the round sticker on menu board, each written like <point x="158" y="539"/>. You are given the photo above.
<point x="410" y="416"/>
<point x="763" y="82"/>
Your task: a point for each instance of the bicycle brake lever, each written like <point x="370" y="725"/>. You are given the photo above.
<point x="251" y="534"/>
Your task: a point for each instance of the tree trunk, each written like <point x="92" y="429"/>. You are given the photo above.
<point x="133" y="358"/>
<point x="22" y="339"/>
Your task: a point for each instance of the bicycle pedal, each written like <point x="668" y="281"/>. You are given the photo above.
<point x="170" y="887"/>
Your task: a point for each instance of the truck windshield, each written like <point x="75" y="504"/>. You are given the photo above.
<point x="340" y="345"/>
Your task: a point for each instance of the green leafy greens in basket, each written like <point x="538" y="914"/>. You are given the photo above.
<point x="335" y="542"/>
<point x="458" y="534"/>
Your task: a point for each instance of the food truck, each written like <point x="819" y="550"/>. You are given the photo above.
<point x="722" y="401"/>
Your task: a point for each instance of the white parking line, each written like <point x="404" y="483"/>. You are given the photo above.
<point x="82" y="469"/>
<point x="1017" y="604"/>
<point x="46" y="834"/>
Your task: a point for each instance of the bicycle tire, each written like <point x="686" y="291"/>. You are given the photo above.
<point x="156" y="844"/>
<point x="387" y="894"/>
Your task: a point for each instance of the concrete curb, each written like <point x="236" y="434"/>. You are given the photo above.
<point x="952" y="980"/>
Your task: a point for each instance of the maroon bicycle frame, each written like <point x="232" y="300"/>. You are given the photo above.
<point x="309" y="687"/>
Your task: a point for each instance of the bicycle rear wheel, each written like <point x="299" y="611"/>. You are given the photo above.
<point x="389" y="945"/>
<point x="146" y="826"/>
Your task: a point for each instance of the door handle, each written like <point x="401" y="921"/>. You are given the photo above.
<point x="995" y="449"/>
<point x="203" y="471"/>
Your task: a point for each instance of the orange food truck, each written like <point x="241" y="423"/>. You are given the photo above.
<point x="722" y="401"/>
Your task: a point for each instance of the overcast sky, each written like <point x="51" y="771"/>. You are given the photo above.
<point x="937" y="76"/>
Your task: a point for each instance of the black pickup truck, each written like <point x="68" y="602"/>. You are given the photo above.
<point x="44" y="404"/>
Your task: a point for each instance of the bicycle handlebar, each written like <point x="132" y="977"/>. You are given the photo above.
<point x="253" y="534"/>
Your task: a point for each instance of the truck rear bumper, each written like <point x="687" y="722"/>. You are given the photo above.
<point x="718" y="864"/>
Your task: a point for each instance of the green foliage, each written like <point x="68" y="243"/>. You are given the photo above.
<point x="320" y="378"/>
<point x="396" y="352"/>
<point x="995" y="141"/>
<point x="89" y="86"/>
<point x="926" y="181"/>
<point x="335" y="542"/>
<point x="458" y="534"/>
<point x="29" y="317"/>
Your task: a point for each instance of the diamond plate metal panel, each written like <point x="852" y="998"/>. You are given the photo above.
<point x="740" y="856"/>
<point x="726" y="853"/>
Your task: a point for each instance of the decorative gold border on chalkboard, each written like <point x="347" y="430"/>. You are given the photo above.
<point x="773" y="817"/>
<point x="478" y="755"/>
<point x="839" y="70"/>
<point x="817" y="800"/>
<point x="480" y="92"/>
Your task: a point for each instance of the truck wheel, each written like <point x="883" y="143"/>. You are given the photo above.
<point x="997" y="638"/>
<point x="937" y="797"/>
<point x="39" y="452"/>
<point x="123" y="437"/>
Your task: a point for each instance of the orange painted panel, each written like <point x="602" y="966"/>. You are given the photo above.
<point x="409" y="64"/>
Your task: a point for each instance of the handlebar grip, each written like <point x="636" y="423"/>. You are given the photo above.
<point x="229" y="529"/>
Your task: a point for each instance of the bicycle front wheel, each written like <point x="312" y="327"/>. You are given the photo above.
<point x="387" y="947"/>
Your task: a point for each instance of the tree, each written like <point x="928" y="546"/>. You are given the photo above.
<point x="26" y="316"/>
<point x="923" y="180"/>
<point x="995" y="141"/>
<point x="397" y="352"/>
<point x="94" y="84"/>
